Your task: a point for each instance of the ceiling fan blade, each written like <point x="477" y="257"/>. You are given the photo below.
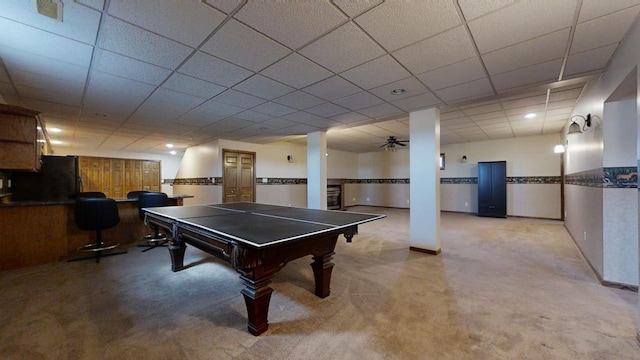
<point x="384" y="145"/>
<point x="401" y="144"/>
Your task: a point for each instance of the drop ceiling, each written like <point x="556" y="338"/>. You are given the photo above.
<point x="134" y="75"/>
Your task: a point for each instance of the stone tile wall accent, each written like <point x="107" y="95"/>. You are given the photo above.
<point x="608" y="177"/>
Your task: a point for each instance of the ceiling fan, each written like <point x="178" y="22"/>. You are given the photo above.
<point x="391" y="143"/>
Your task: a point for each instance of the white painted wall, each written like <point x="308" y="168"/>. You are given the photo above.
<point x="588" y="210"/>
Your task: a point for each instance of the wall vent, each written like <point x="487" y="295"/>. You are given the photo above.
<point x="49" y="8"/>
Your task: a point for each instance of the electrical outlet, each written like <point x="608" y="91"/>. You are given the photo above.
<point x="466" y="204"/>
<point x="354" y="199"/>
<point x="367" y="199"/>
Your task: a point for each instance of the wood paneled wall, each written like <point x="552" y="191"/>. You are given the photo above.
<point x="116" y="177"/>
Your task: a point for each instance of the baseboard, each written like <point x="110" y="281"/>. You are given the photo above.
<point x="426" y="251"/>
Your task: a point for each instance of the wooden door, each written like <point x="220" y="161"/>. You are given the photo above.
<point x="151" y="175"/>
<point x="238" y="176"/>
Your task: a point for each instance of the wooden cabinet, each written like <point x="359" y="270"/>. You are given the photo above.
<point x="116" y="177"/>
<point x="19" y="146"/>
<point x="492" y="189"/>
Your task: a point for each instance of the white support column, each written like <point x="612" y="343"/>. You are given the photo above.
<point x="317" y="170"/>
<point x="424" y="213"/>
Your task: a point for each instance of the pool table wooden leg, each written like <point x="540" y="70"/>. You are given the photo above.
<point x="257" y="295"/>
<point x="322" y="267"/>
<point x="176" y="250"/>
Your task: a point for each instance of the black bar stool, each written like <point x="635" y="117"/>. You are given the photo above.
<point x="97" y="214"/>
<point x="148" y="200"/>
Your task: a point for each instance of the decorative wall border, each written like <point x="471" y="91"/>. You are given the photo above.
<point x="303" y="181"/>
<point x="624" y="177"/>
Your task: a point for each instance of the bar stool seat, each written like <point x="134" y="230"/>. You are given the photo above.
<point x="148" y="200"/>
<point x="97" y="214"/>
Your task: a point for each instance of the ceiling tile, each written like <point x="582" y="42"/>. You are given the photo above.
<point x="168" y="19"/>
<point x="603" y="31"/>
<point x="558" y="95"/>
<point x="437" y="51"/>
<point x="528" y="101"/>
<point x="380" y="71"/>
<point x="253" y="116"/>
<point x="521" y="21"/>
<point x="274" y="109"/>
<point x="332" y="88"/>
<point x="301" y="116"/>
<point x="299" y="100"/>
<point x="80" y="23"/>
<point x="473" y="8"/>
<point x="422" y="101"/>
<point x="381" y="111"/>
<point x="359" y="101"/>
<point x="214" y="110"/>
<point x="546" y="71"/>
<point x="350" y="118"/>
<point x="454" y="74"/>
<point x="109" y="94"/>
<point x="226" y="6"/>
<point x="238" y="99"/>
<point x="68" y="96"/>
<point x="209" y="68"/>
<point x="543" y="48"/>
<point x="329" y="51"/>
<point x="296" y="71"/>
<point x="411" y="86"/>
<point x="263" y="87"/>
<point x="327" y="110"/>
<point x="500" y="115"/>
<point x="240" y="45"/>
<point x="299" y="22"/>
<point x="472" y="89"/>
<point x="115" y="64"/>
<point x="448" y="115"/>
<point x="25" y="63"/>
<point x="520" y="111"/>
<point x="591" y="9"/>
<point x="26" y="38"/>
<point x="395" y="24"/>
<point x="131" y="41"/>
<point x="355" y="8"/>
<point x="96" y="4"/>
<point x="192" y="86"/>
<point x="483" y="109"/>
<point x="165" y="105"/>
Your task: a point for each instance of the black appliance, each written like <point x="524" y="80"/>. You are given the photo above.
<point x="57" y="180"/>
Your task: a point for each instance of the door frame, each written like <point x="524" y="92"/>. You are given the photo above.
<point x="253" y="165"/>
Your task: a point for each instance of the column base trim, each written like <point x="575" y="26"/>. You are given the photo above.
<point x="426" y="251"/>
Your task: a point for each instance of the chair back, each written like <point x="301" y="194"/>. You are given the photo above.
<point x="151" y="199"/>
<point x="135" y="194"/>
<point x="90" y="194"/>
<point x="96" y="213"/>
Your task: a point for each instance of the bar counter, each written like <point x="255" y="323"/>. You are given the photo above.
<point x="33" y="232"/>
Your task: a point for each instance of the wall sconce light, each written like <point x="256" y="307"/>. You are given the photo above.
<point x="464" y="159"/>
<point x="558" y="149"/>
<point x="574" y="128"/>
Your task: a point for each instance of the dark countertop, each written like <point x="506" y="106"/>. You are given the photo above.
<point x="71" y="201"/>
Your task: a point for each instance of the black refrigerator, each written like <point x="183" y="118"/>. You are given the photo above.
<point x="57" y="180"/>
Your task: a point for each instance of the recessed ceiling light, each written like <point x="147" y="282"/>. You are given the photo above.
<point x="172" y="152"/>
<point x="169" y="146"/>
<point x="398" y="91"/>
<point x="56" y="142"/>
<point x="530" y="115"/>
<point x="55" y="130"/>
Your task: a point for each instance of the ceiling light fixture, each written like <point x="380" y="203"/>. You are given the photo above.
<point x="574" y="128"/>
<point x="398" y="91"/>
<point x="169" y="146"/>
<point x="558" y="149"/>
<point x="172" y="152"/>
<point x="54" y="130"/>
<point x="530" y="115"/>
<point x="56" y="142"/>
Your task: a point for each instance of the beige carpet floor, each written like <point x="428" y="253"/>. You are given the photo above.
<point x="501" y="289"/>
